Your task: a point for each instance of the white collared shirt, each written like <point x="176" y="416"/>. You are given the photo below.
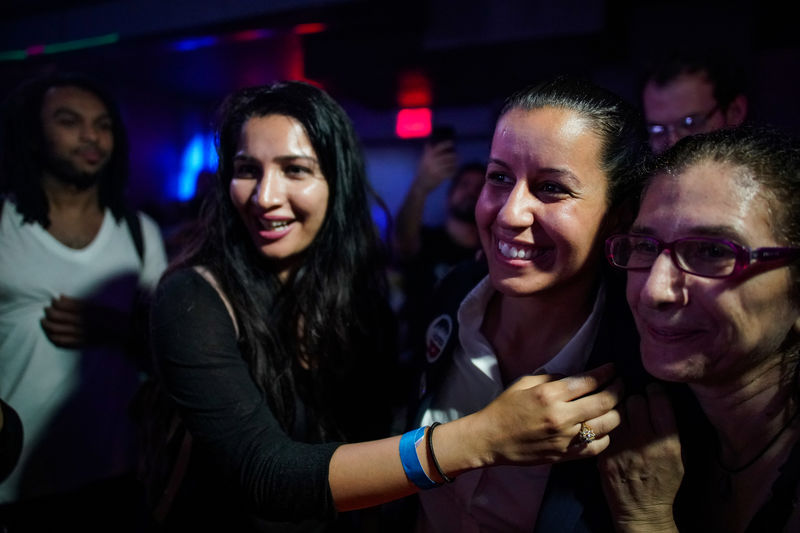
<point x="500" y="498"/>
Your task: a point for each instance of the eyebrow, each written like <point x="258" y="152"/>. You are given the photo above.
<point x="565" y="174"/>
<point x="562" y="172"/>
<point x="67" y="111"/>
<point x="499" y="162"/>
<point x="60" y="110"/>
<point x="280" y="158"/>
<point x="726" y="232"/>
<point x="662" y="122"/>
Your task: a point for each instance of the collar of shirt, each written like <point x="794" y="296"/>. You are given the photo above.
<point x="480" y="354"/>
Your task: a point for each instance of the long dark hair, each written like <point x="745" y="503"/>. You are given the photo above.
<point x="23" y="144"/>
<point x="332" y="313"/>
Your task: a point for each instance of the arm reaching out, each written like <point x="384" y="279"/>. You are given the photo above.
<point x="534" y="421"/>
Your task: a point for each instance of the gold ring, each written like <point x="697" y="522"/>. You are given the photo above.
<point x="586" y="434"/>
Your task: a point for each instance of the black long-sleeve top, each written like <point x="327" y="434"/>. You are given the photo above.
<point x="241" y="457"/>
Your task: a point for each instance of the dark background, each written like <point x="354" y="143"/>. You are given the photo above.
<point x="172" y="61"/>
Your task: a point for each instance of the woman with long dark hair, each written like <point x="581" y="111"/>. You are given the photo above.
<point x="274" y="337"/>
<point x="279" y="302"/>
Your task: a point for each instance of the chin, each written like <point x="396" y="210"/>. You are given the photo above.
<point x="509" y="288"/>
<point x="518" y="285"/>
<point x="80" y="176"/>
<point x="670" y="366"/>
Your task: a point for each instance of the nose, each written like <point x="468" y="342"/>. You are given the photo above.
<point x="270" y="191"/>
<point x="518" y="207"/>
<point x="675" y="136"/>
<point x="665" y="284"/>
<point x="89" y="133"/>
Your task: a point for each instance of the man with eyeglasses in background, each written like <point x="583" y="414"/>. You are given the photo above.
<point x="686" y="93"/>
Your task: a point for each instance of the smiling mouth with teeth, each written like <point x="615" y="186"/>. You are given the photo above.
<point x="513" y="252"/>
<point x="273" y="225"/>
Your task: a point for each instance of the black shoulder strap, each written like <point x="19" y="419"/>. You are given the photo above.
<point x="10" y="438"/>
<point x="135" y="228"/>
<point x="441" y="336"/>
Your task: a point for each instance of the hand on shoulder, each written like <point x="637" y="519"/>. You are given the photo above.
<point x="537" y="421"/>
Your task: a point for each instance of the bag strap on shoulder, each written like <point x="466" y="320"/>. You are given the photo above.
<point x="135" y="228"/>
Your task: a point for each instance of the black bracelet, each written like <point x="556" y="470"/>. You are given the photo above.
<point x="429" y="439"/>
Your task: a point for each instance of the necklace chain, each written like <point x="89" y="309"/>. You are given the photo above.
<point x="761" y="452"/>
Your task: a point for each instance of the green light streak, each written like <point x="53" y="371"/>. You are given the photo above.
<point x="13" y="55"/>
<point x="67" y="46"/>
<point x="81" y="43"/>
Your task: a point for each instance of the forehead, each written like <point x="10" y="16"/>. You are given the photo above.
<point x="548" y="135"/>
<point x="688" y="94"/>
<point x="706" y="196"/>
<point x="74" y="99"/>
<point x="275" y="132"/>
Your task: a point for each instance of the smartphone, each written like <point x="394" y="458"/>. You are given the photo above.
<point x="442" y="133"/>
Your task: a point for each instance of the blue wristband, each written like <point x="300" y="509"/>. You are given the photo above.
<point x="411" y="465"/>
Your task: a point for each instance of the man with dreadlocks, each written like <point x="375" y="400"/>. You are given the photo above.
<point x="74" y="262"/>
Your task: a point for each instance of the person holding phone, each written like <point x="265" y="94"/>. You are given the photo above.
<point x="438" y="163"/>
<point x="423" y="254"/>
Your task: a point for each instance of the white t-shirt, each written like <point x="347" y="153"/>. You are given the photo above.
<point x="73" y="402"/>
<point x="500" y="498"/>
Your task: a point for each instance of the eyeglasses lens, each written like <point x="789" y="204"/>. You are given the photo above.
<point x="704" y="257"/>
<point x="634" y="252"/>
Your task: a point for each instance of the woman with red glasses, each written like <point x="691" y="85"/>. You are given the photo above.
<point x="715" y="293"/>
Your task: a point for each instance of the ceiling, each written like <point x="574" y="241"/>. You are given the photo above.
<point x="472" y="52"/>
<point x="25" y="8"/>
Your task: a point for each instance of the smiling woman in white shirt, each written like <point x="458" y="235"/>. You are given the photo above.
<point x="564" y="162"/>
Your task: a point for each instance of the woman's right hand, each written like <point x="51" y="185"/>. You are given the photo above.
<point x="537" y="420"/>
